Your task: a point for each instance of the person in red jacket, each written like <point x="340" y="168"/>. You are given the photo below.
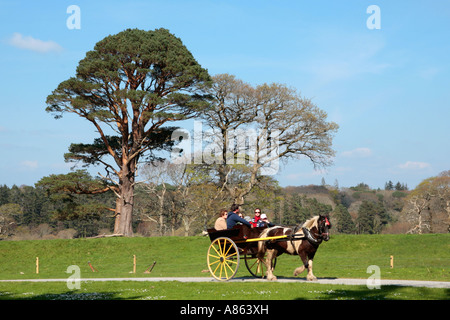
<point x="256" y="218"/>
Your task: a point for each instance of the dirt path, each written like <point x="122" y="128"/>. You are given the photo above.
<point x="409" y="283"/>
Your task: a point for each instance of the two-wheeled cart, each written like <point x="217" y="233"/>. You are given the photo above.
<point x="228" y="245"/>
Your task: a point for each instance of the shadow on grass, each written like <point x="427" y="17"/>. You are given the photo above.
<point x="361" y="292"/>
<point x="388" y="292"/>
<point x="68" y="296"/>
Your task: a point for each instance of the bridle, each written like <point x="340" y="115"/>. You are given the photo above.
<point x="316" y="238"/>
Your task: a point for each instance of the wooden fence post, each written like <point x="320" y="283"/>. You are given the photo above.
<point x="37" y="265"/>
<point x="149" y="269"/>
<point x="134" y="263"/>
<point x="392" y="262"/>
<point x="92" y="267"/>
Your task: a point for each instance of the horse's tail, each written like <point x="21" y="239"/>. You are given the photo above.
<point x="262" y="244"/>
<point x="264" y="233"/>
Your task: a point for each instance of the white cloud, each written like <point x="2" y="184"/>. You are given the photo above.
<point x="30" y="165"/>
<point x="343" y="55"/>
<point x="30" y="43"/>
<point x="413" y="165"/>
<point x="357" y="153"/>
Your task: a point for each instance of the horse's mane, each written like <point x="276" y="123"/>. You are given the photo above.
<point x="311" y="223"/>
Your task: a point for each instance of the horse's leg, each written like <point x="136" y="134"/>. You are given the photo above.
<point x="271" y="254"/>
<point x="300" y="269"/>
<point x="310" y="276"/>
<point x="262" y="250"/>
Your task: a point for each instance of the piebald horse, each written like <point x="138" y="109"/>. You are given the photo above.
<point x="302" y="241"/>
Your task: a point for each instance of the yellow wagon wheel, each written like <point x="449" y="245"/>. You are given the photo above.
<point x="223" y="259"/>
<point x="256" y="266"/>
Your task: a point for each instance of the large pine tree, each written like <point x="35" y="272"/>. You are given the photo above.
<point x="134" y="83"/>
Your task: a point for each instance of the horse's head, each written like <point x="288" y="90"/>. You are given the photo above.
<point x="324" y="226"/>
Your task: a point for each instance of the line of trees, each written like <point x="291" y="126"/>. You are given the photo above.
<point x="398" y="186"/>
<point x="177" y="201"/>
<point x="31" y="213"/>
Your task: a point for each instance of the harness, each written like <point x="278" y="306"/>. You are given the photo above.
<point x="314" y="241"/>
<point x="313" y="238"/>
<point x="307" y="234"/>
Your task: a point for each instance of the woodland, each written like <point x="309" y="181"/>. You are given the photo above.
<point x="32" y="212"/>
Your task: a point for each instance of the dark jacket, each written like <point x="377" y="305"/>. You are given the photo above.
<point x="262" y="223"/>
<point x="233" y="218"/>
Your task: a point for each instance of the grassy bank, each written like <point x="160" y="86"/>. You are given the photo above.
<point x="416" y="257"/>
<point x="425" y="257"/>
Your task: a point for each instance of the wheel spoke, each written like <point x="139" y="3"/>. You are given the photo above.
<point x="214" y="247"/>
<point x="229" y="248"/>
<point x="228" y="266"/>
<point x="260" y="267"/>
<point x="231" y="254"/>
<point x="225" y="269"/>
<point x="214" y="262"/>
<point x="252" y="265"/>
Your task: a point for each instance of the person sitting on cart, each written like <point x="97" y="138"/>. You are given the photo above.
<point x="264" y="221"/>
<point x="233" y="217"/>
<point x="221" y="222"/>
<point x="256" y="218"/>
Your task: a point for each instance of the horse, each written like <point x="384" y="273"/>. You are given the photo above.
<point x="302" y="241"/>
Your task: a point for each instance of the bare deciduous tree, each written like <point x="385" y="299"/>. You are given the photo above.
<point x="428" y="205"/>
<point x="256" y="127"/>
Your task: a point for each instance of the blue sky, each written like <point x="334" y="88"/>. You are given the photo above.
<point x="388" y="88"/>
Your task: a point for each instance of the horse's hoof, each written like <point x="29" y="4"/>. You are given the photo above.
<point x="298" y="271"/>
<point x="274" y="278"/>
<point x="311" y="278"/>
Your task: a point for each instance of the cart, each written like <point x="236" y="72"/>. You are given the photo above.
<point x="228" y="245"/>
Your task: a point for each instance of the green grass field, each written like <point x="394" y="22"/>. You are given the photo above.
<point x="174" y="290"/>
<point x="416" y="257"/>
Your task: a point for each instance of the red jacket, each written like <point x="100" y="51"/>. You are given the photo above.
<point x="254" y="221"/>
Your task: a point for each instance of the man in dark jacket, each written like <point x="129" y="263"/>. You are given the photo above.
<point x="233" y="217"/>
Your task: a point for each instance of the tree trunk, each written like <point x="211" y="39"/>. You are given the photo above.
<point x="161" y="209"/>
<point x="187" y="225"/>
<point x="117" y="216"/>
<point x="126" y="202"/>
